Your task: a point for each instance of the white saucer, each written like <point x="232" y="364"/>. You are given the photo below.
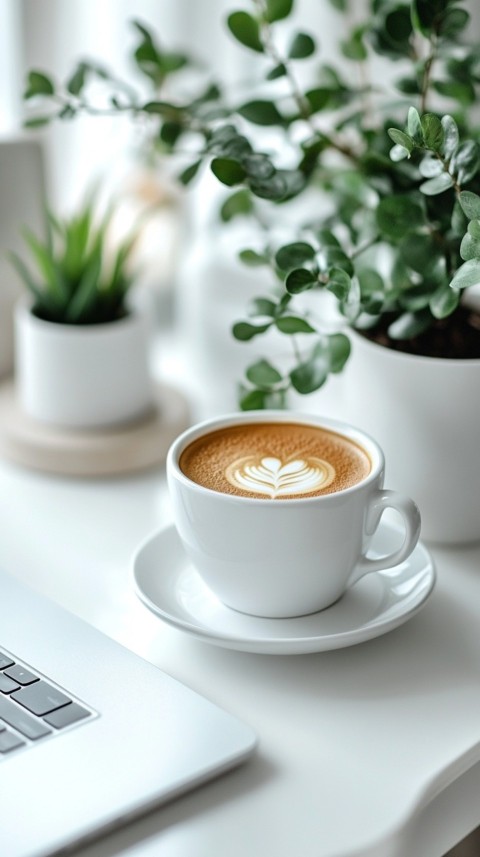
<point x="170" y="587"/>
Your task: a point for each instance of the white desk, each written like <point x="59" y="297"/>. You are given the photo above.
<point x="369" y="751"/>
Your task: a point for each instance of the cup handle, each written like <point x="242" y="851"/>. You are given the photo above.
<point x="411" y="518"/>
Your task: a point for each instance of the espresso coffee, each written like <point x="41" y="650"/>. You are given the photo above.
<point x="275" y="461"/>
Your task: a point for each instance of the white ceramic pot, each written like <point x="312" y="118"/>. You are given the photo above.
<point x="82" y="376"/>
<point x="425" y="413"/>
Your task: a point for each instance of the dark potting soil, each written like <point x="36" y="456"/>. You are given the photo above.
<point x="456" y="337"/>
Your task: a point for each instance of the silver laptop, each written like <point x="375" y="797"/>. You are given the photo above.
<point x="90" y="734"/>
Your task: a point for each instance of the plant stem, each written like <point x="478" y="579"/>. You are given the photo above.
<point x="427" y="72"/>
<point x="363" y="247"/>
<point x="296" y="350"/>
<point x="301" y="102"/>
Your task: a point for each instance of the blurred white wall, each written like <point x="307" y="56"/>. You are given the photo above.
<point x="11" y="47"/>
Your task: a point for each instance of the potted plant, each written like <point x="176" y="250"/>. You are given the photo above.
<point x="81" y="347"/>
<point x="376" y="162"/>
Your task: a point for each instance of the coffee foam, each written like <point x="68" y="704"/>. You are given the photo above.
<point x="273" y="477"/>
<point x="275" y="461"/>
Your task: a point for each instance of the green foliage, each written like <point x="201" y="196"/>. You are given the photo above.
<point x="74" y="281"/>
<point x="396" y="175"/>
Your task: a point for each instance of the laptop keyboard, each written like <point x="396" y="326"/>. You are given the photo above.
<point x="31" y="706"/>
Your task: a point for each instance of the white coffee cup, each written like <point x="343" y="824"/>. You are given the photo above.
<point x="288" y="557"/>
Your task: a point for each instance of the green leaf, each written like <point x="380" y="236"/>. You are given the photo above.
<point x="239" y="203"/>
<point x="467" y="275"/>
<point x="470" y="247"/>
<point x="187" y="175"/>
<point x="261" y="113"/>
<point x="351" y="306"/>
<point x="262" y="307"/>
<point x="263" y="374"/>
<point x="397" y="215"/>
<point x="37" y="121"/>
<point x="228" y="171"/>
<point x="474" y="229"/>
<point x="444" y="301"/>
<point x="301" y="47"/>
<point x="173" y="61"/>
<point x="451" y="136"/>
<point x="398" y="153"/>
<point x="416" y="298"/>
<point x="339" y="348"/>
<point x="458" y="220"/>
<point x="67" y="112"/>
<point x="38" y="84"/>
<point x="243" y="331"/>
<point x="401" y="139"/>
<point x="277" y="10"/>
<point x="439" y="184"/>
<point x="408" y="85"/>
<point x="258" y="167"/>
<point x="462" y="91"/>
<point x="454" y="20"/>
<point x="300" y="280"/>
<point x="466" y="161"/>
<point x="426" y="15"/>
<point x="470" y="203"/>
<point x="246" y="30"/>
<point x="253" y="400"/>
<point x="414" y="125"/>
<point x="252" y="258"/>
<point x="274" y="188"/>
<point x="410" y="324"/>
<point x="433" y="133"/>
<point x="293" y="324"/>
<point x="170" y="132"/>
<point x="277" y="71"/>
<point x="162" y="108"/>
<point x="77" y="80"/>
<point x="326" y="238"/>
<point x="294" y="255"/>
<point x="335" y="257"/>
<point x="85" y="293"/>
<point x="354" y="48"/>
<point x="420" y="252"/>
<point x="39" y="294"/>
<point x="398" y="27"/>
<point x="339" y="283"/>
<point x="50" y="272"/>
<point x="371" y="287"/>
<point x="311" y="375"/>
<point x="318" y="98"/>
<point x="430" y="167"/>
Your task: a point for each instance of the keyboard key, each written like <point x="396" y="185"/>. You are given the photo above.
<point x="9" y="741"/>
<point x="18" y="719"/>
<point x="7" y="685"/>
<point x="5" y="661"/>
<point x="40" y="698"/>
<point x="65" y="716"/>
<point x="21" y="675"/>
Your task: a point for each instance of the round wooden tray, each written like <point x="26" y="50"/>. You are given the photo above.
<point x="92" y="452"/>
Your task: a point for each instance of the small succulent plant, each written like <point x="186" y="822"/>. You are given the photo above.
<point x="76" y="278"/>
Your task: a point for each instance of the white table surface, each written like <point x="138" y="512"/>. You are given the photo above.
<point x="371" y="751"/>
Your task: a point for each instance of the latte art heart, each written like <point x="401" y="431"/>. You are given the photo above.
<point x="271" y="477"/>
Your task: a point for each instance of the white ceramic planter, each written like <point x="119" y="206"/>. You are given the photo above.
<point x="425" y="413"/>
<point x="84" y="376"/>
